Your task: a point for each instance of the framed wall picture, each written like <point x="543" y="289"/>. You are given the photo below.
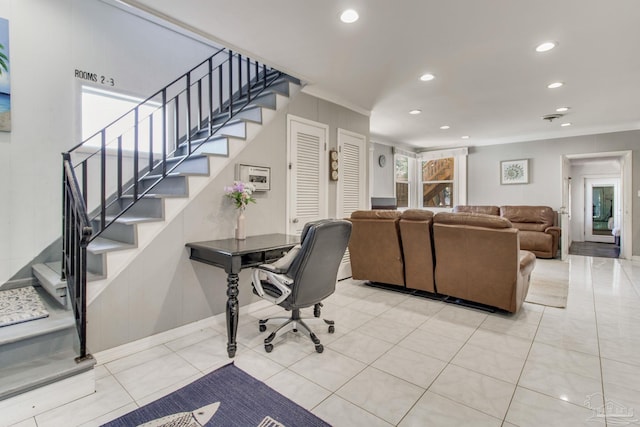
<point x="259" y="176"/>
<point x="514" y="171"/>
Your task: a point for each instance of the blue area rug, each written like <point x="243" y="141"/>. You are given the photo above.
<point x="226" y="397"/>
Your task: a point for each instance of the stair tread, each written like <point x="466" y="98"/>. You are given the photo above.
<point x="101" y="244"/>
<point x="132" y="219"/>
<point x="59" y="318"/>
<point x="49" y="273"/>
<point x="34" y="373"/>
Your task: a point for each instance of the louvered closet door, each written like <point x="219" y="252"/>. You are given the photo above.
<point x="308" y="169"/>
<point x="352" y="191"/>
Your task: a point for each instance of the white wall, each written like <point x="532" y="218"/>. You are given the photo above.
<point x="145" y="299"/>
<point x="545" y="169"/>
<point x="49" y="39"/>
<point x="383" y="177"/>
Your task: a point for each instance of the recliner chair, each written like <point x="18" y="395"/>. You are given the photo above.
<point x="304" y="277"/>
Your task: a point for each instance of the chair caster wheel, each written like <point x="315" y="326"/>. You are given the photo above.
<point x="332" y="329"/>
<point x="263" y="328"/>
<point x="295" y="330"/>
<point x="319" y="348"/>
<point x="268" y="348"/>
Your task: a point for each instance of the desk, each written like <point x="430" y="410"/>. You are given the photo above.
<point x="233" y="255"/>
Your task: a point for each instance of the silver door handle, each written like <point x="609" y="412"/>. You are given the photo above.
<point x="295" y="220"/>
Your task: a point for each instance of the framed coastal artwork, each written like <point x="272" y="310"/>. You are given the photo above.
<point x="514" y="172"/>
<point x="5" y="80"/>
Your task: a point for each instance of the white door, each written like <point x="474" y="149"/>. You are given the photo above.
<point x="565" y="210"/>
<point x="352" y="180"/>
<point x="308" y="172"/>
<point x="601" y="200"/>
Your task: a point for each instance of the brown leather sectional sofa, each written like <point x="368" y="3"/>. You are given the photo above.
<point x="474" y="257"/>
<point x="537" y="224"/>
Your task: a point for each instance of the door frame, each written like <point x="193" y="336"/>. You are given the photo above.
<point x="626" y="196"/>
<point x="589" y="183"/>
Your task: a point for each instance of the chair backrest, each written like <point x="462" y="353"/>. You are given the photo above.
<point x="416" y="232"/>
<point x="375" y="249"/>
<point x="477" y="257"/>
<point x="481" y="209"/>
<point x="315" y="269"/>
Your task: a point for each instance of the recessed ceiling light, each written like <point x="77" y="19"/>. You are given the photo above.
<point x="565" y="124"/>
<point x="427" y="77"/>
<point x="465" y="137"/>
<point x="546" y="46"/>
<point x="445" y="127"/>
<point x="562" y="109"/>
<point x="349" y="16"/>
<point x="555" y="85"/>
<point x="415" y="112"/>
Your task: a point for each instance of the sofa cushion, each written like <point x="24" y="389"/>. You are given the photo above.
<point x="471" y="219"/>
<point x="417" y="215"/>
<point x="535" y="241"/>
<point x="376" y="214"/>
<point x="533" y="218"/>
<point x="488" y="210"/>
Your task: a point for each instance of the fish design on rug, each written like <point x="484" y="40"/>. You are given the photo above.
<point x="197" y="418"/>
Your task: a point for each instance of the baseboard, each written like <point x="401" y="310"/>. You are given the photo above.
<point x="128" y="349"/>
<point x="635" y="258"/>
<point x="18" y="283"/>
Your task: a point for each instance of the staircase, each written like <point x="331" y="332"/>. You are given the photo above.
<point x="201" y="122"/>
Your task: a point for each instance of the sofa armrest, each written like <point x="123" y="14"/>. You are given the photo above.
<point x="555" y="233"/>
<point x="527" y="262"/>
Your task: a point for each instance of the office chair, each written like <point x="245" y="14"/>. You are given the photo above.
<point x="304" y="277"/>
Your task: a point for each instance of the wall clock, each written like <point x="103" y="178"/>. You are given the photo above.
<point x="382" y="160"/>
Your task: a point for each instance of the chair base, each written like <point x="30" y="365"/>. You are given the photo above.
<point x="297" y="323"/>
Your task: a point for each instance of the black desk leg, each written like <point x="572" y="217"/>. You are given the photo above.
<point x="232" y="313"/>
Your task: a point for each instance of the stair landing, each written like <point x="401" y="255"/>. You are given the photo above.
<point x="37" y="367"/>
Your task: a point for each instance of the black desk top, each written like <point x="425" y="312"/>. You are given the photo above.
<point x="251" y="244"/>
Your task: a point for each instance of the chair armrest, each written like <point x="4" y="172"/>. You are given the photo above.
<point x="280" y="281"/>
<point x="282" y="265"/>
<point x="271" y="268"/>
<point x="555" y="234"/>
<point x="527" y="261"/>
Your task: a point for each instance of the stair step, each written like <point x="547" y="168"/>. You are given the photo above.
<point x="251" y="113"/>
<point x="50" y="280"/>
<point x="100" y="245"/>
<point x="214" y="147"/>
<point x="172" y="185"/>
<point x="233" y="128"/>
<point x="267" y="99"/>
<point x="147" y="207"/>
<point x="39" y="352"/>
<point x="119" y="231"/>
<point x="193" y="165"/>
<point x="39" y="372"/>
<point x="59" y="319"/>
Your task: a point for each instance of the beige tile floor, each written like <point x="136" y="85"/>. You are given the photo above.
<point x="403" y="360"/>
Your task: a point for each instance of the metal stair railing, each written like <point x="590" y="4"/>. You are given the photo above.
<point x="113" y="163"/>
<point x="74" y="249"/>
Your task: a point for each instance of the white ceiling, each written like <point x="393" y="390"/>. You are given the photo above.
<point x="490" y="83"/>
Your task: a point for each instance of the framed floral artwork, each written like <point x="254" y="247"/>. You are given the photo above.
<point x="514" y="171"/>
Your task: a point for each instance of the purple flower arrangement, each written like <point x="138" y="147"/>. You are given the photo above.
<point x="240" y="193"/>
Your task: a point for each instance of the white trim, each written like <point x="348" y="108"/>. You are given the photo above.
<point x="459" y="175"/>
<point x="441" y="154"/>
<point x="626" y="184"/>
